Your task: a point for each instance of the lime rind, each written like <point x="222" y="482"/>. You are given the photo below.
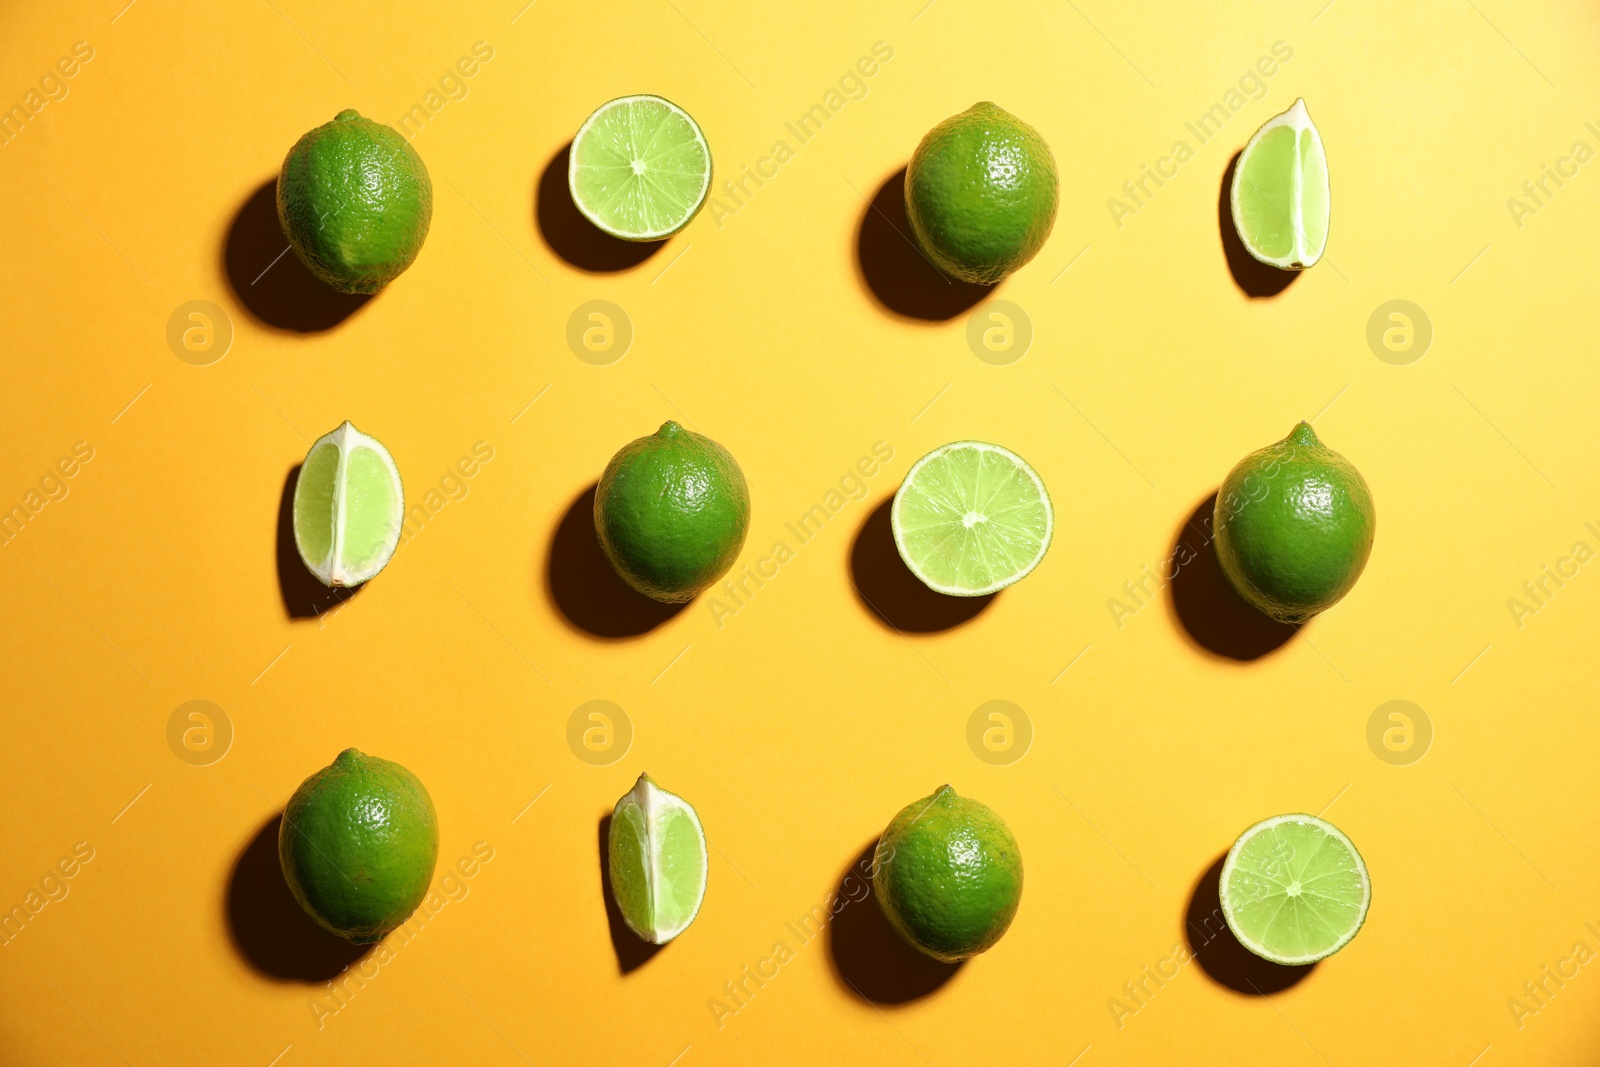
<point x="943" y="519"/>
<point x="1288" y="211"/>
<point x="1264" y="864"/>
<point x="658" y="859"/>
<point x="338" y="550"/>
<point x="632" y="181"/>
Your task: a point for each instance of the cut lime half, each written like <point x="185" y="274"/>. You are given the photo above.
<point x="348" y="507"/>
<point x="1294" y="889"/>
<point x="971" y="518"/>
<point x="640" y="168"/>
<point x="657" y="853"/>
<point x="1280" y="192"/>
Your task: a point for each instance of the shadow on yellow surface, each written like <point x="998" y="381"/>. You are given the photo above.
<point x="892" y="594"/>
<point x="1220" y="954"/>
<point x="270" y="281"/>
<point x="1258" y="280"/>
<point x="869" y="958"/>
<point x="270" y="930"/>
<point x="573" y="237"/>
<point x="895" y="272"/>
<point x="584" y="587"/>
<point x="632" y="951"/>
<point x="1208" y="611"/>
<point x="304" y="597"/>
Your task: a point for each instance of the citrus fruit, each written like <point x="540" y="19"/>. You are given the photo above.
<point x="949" y="876"/>
<point x="672" y="510"/>
<point x="1294" y="524"/>
<point x="348" y="507"/>
<point x="971" y="518"/>
<point x="357" y="844"/>
<point x="1280" y="192"/>
<point x="640" y="168"/>
<point x="657" y="855"/>
<point x="981" y="194"/>
<point x="1294" y="889"/>
<point x="355" y="202"/>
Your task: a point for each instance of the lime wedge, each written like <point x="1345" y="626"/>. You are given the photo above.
<point x="640" y="168"/>
<point x="658" y="861"/>
<point x="971" y="518"/>
<point x="1280" y="192"/>
<point x="1294" y="889"/>
<point x="348" y="507"/>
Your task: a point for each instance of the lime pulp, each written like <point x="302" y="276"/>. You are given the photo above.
<point x="1294" y="889"/>
<point x="971" y="518"/>
<point x="640" y="168"/>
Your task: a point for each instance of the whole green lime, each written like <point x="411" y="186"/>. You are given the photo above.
<point x="949" y="876"/>
<point x="981" y="194"/>
<point x="355" y="202"/>
<point x="1294" y="524"/>
<point x="357" y="844"/>
<point x="672" y="510"/>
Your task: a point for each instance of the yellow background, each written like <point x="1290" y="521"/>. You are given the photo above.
<point x="801" y="724"/>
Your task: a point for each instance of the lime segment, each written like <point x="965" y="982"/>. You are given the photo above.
<point x="971" y="518"/>
<point x="1294" y="889"/>
<point x="657" y="853"/>
<point x="1280" y="195"/>
<point x="348" y="507"/>
<point x="640" y="168"/>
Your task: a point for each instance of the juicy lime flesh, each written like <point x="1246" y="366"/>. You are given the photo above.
<point x="1314" y="193"/>
<point x="355" y="202"/>
<point x="358" y="844"/>
<point x="1294" y="891"/>
<point x="949" y="875"/>
<point x="630" y="862"/>
<point x="371" y="506"/>
<point x="1294" y="527"/>
<point x="658" y="861"/>
<point x="313" y="503"/>
<point x="681" y="869"/>
<point x="1266" y="198"/>
<point x="971" y="520"/>
<point x="640" y="169"/>
<point x="672" y="510"/>
<point x="981" y="193"/>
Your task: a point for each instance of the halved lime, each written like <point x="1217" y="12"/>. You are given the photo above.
<point x="1280" y="192"/>
<point x="971" y="518"/>
<point x="1294" y="889"/>
<point x="348" y="507"/>
<point x="640" y="168"/>
<point x="657" y="854"/>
